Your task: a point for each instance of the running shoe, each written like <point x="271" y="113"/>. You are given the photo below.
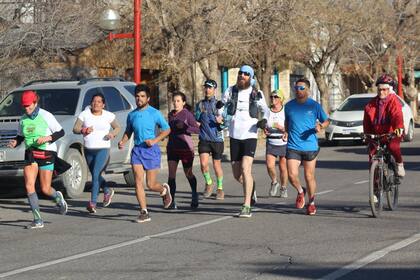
<point x="311" y="209"/>
<point x="108" y="197"/>
<point x="300" y="199"/>
<point x="61" y="203"/>
<point x="91" y="207"/>
<point x="166" y="196"/>
<point x="220" y="194"/>
<point x="245" y="212"/>
<point x="36" y="224"/>
<point x="143" y="217"/>
<point x="274" y="189"/>
<point x="208" y="191"/>
<point x="194" y="200"/>
<point x="283" y="192"/>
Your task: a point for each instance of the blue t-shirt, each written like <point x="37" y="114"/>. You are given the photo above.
<point x="301" y="121"/>
<point x="143" y="124"/>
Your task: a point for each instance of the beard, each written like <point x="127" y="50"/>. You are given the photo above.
<point x="242" y="83"/>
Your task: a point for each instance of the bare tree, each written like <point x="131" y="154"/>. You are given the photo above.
<point x="44" y="31"/>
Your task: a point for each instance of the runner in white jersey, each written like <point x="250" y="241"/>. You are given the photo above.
<point x="39" y="129"/>
<point x="276" y="145"/>
<point x="243" y="102"/>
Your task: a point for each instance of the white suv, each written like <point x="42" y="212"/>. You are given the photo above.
<point x="65" y="100"/>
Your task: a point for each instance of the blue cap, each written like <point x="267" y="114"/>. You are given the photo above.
<point x="247" y="68"/>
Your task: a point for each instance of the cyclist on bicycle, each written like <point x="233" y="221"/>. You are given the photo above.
<point x="383" y="114"/>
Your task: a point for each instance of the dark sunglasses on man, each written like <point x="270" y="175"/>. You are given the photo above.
<point x="300" y="87"/>
<point x="244" y="73"/>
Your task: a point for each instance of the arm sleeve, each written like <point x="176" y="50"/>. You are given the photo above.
<point x="19" y="139"/>
<point x="57" y="135"/>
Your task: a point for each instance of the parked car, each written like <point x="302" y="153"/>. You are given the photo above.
<point x="65" y="100"/>
<point x="346" y="123"/>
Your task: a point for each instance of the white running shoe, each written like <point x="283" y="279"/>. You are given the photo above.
<point x="274" y="188"/>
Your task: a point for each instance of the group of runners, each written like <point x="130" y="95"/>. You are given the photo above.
<point x="291" y="137"/>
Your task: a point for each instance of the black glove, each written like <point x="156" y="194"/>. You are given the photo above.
<point x="262" y="123"/>
<point x="219" y="104"/>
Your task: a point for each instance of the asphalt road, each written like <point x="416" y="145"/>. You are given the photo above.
<point x="342" y="241"/>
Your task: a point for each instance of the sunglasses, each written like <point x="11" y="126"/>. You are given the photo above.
<point x="244" y="73"/>
<point x="274" y="96"/>
<point x="383" y="89"/>
<point x="300" y="87"/>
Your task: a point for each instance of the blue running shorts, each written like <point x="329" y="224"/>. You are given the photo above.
<point x="149" y="157"/>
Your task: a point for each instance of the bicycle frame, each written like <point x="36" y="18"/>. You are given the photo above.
<point x="382" y="177"/>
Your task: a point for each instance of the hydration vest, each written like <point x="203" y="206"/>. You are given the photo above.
<point x="232" y="104"/>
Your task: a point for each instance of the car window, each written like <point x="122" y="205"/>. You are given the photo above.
<point x="354" y="104"/>
<point x="88" y="96"/>
<point x="55" y="101"/>
<point x="131" y="89"/>
<point x="114" y="100"/>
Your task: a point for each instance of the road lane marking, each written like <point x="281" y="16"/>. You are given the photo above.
<point x="361" y="182"/>
<point x="371" y="258"/>
<point x="324" y="192"/>
<point x="126" y="243"/>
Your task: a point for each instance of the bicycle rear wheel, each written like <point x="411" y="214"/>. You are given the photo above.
<point x="376" y="199"/>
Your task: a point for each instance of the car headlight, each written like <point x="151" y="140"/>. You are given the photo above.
<point x="333" y="122"/>
<point x="357" y="123"/>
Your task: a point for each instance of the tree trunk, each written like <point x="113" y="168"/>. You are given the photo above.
<point x="323" y="89"/>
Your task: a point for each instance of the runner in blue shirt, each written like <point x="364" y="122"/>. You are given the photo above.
<point x="145" y="155"/>
<point x="304" y="119"/>
<point x="208" y="114"/>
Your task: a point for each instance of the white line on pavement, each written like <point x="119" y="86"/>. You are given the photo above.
<point x="371" y="258"/>
<point x="361" y="182"/>
<point x="109" y="248"/>
<point x="324" y="192"/>
<point x="124" y="244"/>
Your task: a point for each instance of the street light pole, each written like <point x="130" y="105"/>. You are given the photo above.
<point x="136" y="35"/>
<point x="137" y="41"/>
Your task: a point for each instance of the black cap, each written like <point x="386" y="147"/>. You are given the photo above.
<point x="210" y="83"/>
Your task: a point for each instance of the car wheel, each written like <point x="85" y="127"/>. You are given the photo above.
<point x="74" y="179"/>
<point x="409" y="136"/>
<point x="129" y="178"/>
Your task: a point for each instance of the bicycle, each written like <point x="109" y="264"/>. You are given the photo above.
<point x="383" y="176"/>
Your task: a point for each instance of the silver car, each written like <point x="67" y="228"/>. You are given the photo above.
<point x="65" y="100"/>
<point x="346" y="123"/>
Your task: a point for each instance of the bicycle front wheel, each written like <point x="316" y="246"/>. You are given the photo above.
<point x="392" y="197"/>
<point x="376" y="189"/>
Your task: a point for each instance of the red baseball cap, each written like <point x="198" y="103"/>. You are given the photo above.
<point x="28" y="97"/>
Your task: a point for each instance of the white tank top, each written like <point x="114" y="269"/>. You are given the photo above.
<point x="275" y="135"/>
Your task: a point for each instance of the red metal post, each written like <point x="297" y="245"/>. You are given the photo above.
<point x="399" y="64"/>
<point x="137" y="41"/>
